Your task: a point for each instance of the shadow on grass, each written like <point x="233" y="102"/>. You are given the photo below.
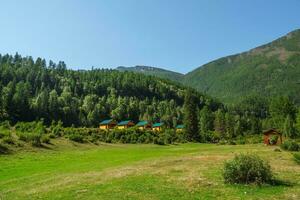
<point x="279" y="182"/>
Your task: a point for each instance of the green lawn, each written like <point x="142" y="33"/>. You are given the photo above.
<point x="188" y="171"/>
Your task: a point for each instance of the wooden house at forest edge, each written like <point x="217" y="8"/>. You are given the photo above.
<point x="107" y="124"/>
<point x="143" y="125"/>
<point x="125" y="124"/>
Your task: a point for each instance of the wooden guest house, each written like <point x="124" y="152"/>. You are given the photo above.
<point x="125" y="124"/>
<point x="157" y="126"/>
<point x="143" y="125"/>
<point x="179" y="128"/>
<point x="272" y="137"/>
<point x="107" y="124"/>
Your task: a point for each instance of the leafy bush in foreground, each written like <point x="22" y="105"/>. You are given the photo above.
<point x="297" y="157"/>
<point x="3" y="148"/>
<point x="76" y="137"/>
<point x="247" y="169"/>
<point x="31" y="132"/>
<point x="290" y="145"/>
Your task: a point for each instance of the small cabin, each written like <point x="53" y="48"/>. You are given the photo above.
<point x="143" y="125"/>
<point x="107" y="124"/>
<point x="157" y="126"/>
<point x="125" y="124"/>
<point x="179" y="128"/>
<point x="270" y="135"/>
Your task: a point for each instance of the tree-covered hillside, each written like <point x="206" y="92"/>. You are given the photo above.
<point x="154" y="71"/>
<point x="31" y="90"/>
<point x="269" y="70"/>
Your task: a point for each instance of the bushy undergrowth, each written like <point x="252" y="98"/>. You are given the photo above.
<point x="31" y="132"/>
<point x="247" y="169"/>
<point x="290" y="145"/>
<point x="297" y="157"/>
<point x="130" y="135"/>
<point x="3" y="148"/>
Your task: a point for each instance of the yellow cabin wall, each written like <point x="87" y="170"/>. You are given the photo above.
<point x="121" y="127"/>
<point x="104" y="127"/>
<point x="156" y="128"/>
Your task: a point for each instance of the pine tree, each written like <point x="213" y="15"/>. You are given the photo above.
<point x="297" y="125"/>
<point x="288" y="128"/>
<point x="219" y="122"/>
<point x="190" y="117"/>
<point x="205" y="123"/>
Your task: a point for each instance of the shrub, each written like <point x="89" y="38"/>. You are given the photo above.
<point x="3" y="148"/>
<point x="30" y="132"/>
<point x="45" y="139"/>
<point x="241" y="140"/>
<point x="76" y="137"/>
<point x="290" y="145"/>
<point x="5" y="125"/>
<point x="274" y="139"/>
<point x="8" y="140"/>
<point x="246" y="169"/>
<point x="297" y="157"/>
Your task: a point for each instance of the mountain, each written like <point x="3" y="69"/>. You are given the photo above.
<point x="269" y="70"/>
<point x="154" y="71"/>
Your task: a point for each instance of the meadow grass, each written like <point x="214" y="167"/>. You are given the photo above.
<point x="66" y="170"/>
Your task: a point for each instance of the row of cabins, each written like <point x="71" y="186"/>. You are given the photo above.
<point x="143" y="125"/>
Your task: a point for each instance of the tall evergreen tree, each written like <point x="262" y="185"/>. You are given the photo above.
<point x="205" y="122"/>
<point x="190" y="117"/>
<point x="289" y="129"/>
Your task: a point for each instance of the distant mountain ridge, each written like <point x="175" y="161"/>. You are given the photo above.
<point x="269" y="70"/>
<point x="154" y="71"/>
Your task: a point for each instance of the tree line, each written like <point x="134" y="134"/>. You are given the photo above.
<point x="34" y="89"/>
<point x="250" y="116"/>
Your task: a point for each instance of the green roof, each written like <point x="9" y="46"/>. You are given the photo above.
<point x="158" y="124"/>
<point x="180" y="126"/>
<point x="105" y="122"/>
<point x="122" y="123"/>
<point x="142" y="123"/>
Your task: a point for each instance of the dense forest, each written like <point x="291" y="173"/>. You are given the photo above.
<point x="32" y="90"/>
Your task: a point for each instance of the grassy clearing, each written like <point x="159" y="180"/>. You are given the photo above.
<point x="67" y="170"/>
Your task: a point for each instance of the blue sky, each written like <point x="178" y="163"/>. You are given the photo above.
<point x="172" y="34"/>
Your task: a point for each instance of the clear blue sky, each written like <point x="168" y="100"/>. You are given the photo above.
<point x="176" y="35"/>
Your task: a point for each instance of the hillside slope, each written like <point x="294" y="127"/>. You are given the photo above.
<point x="31" y="90"/>
<point x="154" y="71"/>
<point x="271" y="69"/>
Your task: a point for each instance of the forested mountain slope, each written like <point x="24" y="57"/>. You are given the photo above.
<point x="31" y="90"/>
<point x="154" y="71"/>
<point x="269" y="70"/>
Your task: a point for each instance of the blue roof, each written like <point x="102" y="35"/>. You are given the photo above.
<point x="142" y="123"/>
<point x="158" y="124"/>
<point x="107" y="121"/>
<point x="124" y="122"/>
<point x="180" y="126"/>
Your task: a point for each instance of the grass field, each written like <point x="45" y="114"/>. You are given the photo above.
<point x="67" y="170"/>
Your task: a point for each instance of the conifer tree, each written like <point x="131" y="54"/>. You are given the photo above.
<point x="190" y="117"/>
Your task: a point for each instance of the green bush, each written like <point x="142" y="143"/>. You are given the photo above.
<point x="8" y="140"/>
<point x="247" y="169"/>
<point x="30" y="132"/>
<point x="76" y="137"/>
<point x="57" y="128"/>
<point x="3" y="148"/>
<point x="45" y="139"/>
<point x="274" y="139"/>
<point x="290" y="145"/>
<point x="297" y="157"/>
